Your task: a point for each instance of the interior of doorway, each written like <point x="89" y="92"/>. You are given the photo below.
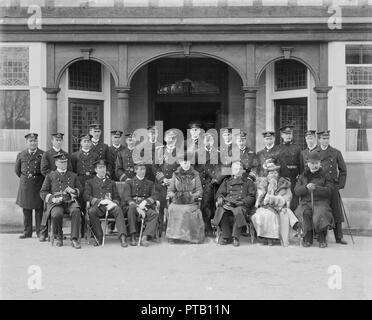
<point x="178" y="115"/>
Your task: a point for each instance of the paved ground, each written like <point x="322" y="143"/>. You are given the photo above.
<point x="179" y="271"/>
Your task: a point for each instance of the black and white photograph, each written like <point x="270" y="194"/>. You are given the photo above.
<point x="199" y="151"/>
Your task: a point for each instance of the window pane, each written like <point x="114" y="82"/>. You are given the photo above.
<point x="358" y="54"/>
<point x="85" y="75"/>
<point x="358" y="130"/>
<point x="359" y="97"/>
<point x="290" y="75"/>
<point x="14" y="66"/>
<point x="359" y="75"/>
<point x="14" y="119"/>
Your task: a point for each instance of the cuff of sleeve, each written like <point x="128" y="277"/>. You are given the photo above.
<point x="48" y="197"/>
<point x="116" y="202"/>
<point x="77" y="192"/>
<point x="122" y="176"/>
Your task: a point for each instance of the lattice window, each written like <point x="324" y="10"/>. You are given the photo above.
<point x="290" y="75"/>
<point x="82" y="114"/>
<point x="358" y="54"/>
<point x="85" y="75"/>
<point x="296" y="114"/>
<point x="359" y="97"/>
<point x="359" y="75"/>
<point x="14" y="66"/>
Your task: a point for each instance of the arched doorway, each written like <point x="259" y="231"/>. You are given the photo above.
<point x="289" y="97"/>
<point x="183" y="88"/>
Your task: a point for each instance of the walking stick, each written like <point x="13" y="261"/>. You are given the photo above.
<point x="312" y="209"/>
<point x="90" y="228"/>
<point x="104" y="233"/>
<point x="141" y="231"/>
<point x="346" y="218"/>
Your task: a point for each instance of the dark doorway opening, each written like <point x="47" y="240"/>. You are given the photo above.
<point x="178" y="114"/>
<point x="292" y="110"/>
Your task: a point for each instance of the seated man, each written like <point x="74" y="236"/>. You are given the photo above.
<point x="140" y="197"/>
<point x="59" y="192"/>
<point x="102" y="194"/>
<point x="314" y="187"/>
<point x="235" y="197"/>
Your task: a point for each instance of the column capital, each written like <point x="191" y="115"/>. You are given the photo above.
<point x="123" y="92"/>
<point x="250" y="91"/>
<point x="51" y="92"/>
<point x="322" y="90"/>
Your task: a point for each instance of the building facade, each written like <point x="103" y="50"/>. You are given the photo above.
<point x="252" y="65"/>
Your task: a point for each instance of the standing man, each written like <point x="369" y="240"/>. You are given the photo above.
<point x="152" y="144"/>
<point x="114" y="149"/>
<point x="59" y="192"/>
<point x="27" y="168"/>
<point x="102" y="194"/>
<point x="270" y="151"/>
<point x="102" y="149"/>
<point x="246" y="156"/>
<point x="333" y="163"/>
<point x="48" y="161"/>
<point x="124" y="166"/>
<point x="289" y="156"/>
<point x="312" y="146"/>
<point x="140" y="197"/>
<point x="225" y="152"/>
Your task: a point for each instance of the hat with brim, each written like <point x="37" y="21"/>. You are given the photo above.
<point x="100" y="162"/>
<point x="62" y="157"/>
<point x="195" y="124"/>
<point x="268" y="133"/>
<point x="95" y="125"/>
<point x="241" y="134"/>
<point x="85" y="137"/>
<point x="57" y="135"/>
<point x="324" y="133"/>
<point x="139" y="163"/>
<point x="314" y="156"/>
<point x="170" y="134"/>
<point x="271" y="165"/>
<point x="130" y="135"/>
<point x="31" y="135"/>
<point x="310" y="133"/>
<point x="116" y="133"/>
<point x="287" y="128"/>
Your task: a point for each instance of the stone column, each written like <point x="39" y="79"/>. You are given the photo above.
<point x="51" y="110"/>
<point x="250" y="114"/>
<point x="322" y="107"/>
<point x="123" y="108"/>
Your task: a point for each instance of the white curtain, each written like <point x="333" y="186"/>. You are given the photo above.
<point x="351" y="139"/>
<point x="369" y="139"/>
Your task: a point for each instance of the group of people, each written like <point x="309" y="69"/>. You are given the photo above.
<point x="282" y="191"/>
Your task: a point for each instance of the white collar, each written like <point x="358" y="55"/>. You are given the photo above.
<point x="140" y="178"/>
<point x="323" y="147"/>
<point x="312" y="148"/>
<point x="61" y="171"/>
<point x="269" y="148"/>
<point x="85" y="150"/>
<point x="56" y="150"/>
<point x="131" y="149"/>
<point x="32" y="152"/>
<point x="116" y="146"/>
<point x="243" y="149"/>
<point x="95" y="140"/>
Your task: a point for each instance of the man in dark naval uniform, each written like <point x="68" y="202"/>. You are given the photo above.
<point x="333" y="163"/>
<point x="83" y="160"/>
<point x="246" y="156"/>
<point x="124" y="166"/>
<point x="270" y="151"/>
<point x="151" y="146"/>
<point x="114" y="149"/>
<point x="289" y="157"/>
<point x="312" y="146"/>
<point x="166" y="163"/>
<point x="27" y="168"/>
<point x="59" y="192"/>
<point x="235" y="198"/>
<point x="140" y="197"/>
<point x="102" y="194"/>
<point x="48" y="161"/>
<point x="102" y="149"/>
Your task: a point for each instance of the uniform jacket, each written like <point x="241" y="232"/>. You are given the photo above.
<point x="124" y="166"/>
<point x="96" y="189"/>
<point x="54" y="184"/>
<point x="333" y="163"/>
<point x="48" y="161"/>
<point x="249" y="160"/>
<point x="241" y="193"/>
<point x="150" y="149"/>
<point x="113" y="152"/>
<point x="137" y="190"/>
<point x="186" y="186"/>
<point x="27" y="168"/>
<point x="289" y="156"/>
<point x="83" y="163"/>
<point x="265" y="154"/>
<point x="304" y="156"/>
<point x="102" y="150"/>
<point x="210" y="171"/>
<point x="168" y="163"/>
